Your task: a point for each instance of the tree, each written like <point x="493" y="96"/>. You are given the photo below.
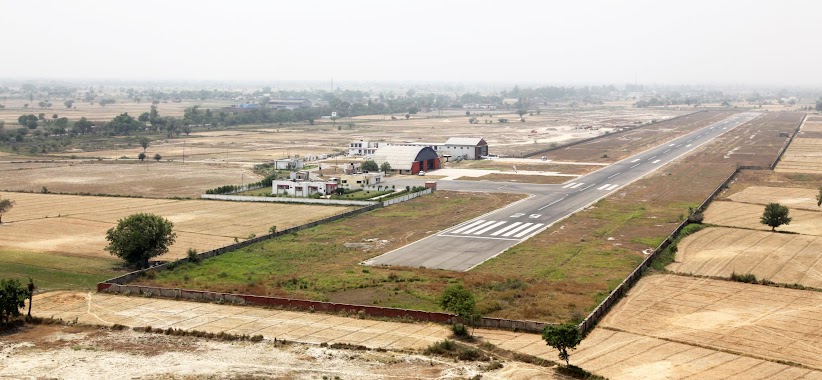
<point x="157" y="157"/>
<point x="459" y="301"/>
<point x="83" y="126"/>
<point x="12" y="297"/>
<point x="144" y="141"/>
<point x="563" y="337"/>
<point x="139" y="237"/>
<point x="521" y="112"/>
<point x="5" y="205"/>
<point x="144" y="118"/>
<point x="385" y="167"/>
<point x="141" y="156"/>
<point x="187" y="129"/>
<point x="819" y="197"/>
<point x="775" y="215"/>
<point x="370" y="166"/>
<point x="68" y="103"/>
<point x="30" y="287"/>
<point x="473" y="120"/>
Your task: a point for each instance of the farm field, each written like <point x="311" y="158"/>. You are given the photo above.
<point x="745" y="215"/>
<point x="619" y="355"/>
<point x="770" y="323"/>
<point x="804" y="155"/>
<point x="781" y="258"/>
<point x="148" y="179"/>
<point x="76" y="225"/>
<point x="14" y="108"/>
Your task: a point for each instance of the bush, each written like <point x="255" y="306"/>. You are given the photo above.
<point x="459" y="330"/>
<point x="192" y="256"/>
<point x="747" y="278"/>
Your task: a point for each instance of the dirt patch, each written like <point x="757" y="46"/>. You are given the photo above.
<point x="43" y="351"/>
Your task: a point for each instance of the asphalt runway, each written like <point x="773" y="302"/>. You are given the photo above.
<point x="471" y="243"/>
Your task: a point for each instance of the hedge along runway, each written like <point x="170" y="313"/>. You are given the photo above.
<point x="781" y="258"/>
<point x="76" y="225"/>
<point x="107" y="309"/>
<point x="764" y="322"/>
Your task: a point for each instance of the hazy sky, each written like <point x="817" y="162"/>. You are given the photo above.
<point x="560" y="42"/>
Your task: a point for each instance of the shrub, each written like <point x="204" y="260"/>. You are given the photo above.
<point x="747" y="278"/>
<point x="459" y="330"/>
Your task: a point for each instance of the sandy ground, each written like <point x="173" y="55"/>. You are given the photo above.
<point x="148" y="179"/>
<point x="781" y="258"/>
<point x="759" y="321"/>
<point x="77" y="225"/>
<point x="83" y="353"/>
<point x="745" y="215"/>
<point x="794" y="198"/>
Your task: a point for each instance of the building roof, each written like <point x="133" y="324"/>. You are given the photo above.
<point x="472" y="141"/>
<point x="288" y="101"/>
<point x="402" y="157"/>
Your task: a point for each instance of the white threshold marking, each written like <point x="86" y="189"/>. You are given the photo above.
<point x="614" y="175"/>
<point x="656" y="161"/>
<point x="489" y="228"/>
<point x="577" y="185"/>
<point x="604" y="186"/>
<point x="671" y="145"/>
<point x="519" y="228"/>
<point x="486" y="224"/>
<point x="506" y="228"/>
<point x="612" y="187"/>
<point x="468" y="226"/>
<point x="528" y="230"/>
<point x="477" y="237"/>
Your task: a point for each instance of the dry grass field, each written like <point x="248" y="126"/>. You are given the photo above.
<point x="76" y="225"/>
<point x="770" y="323"/>
<point x="147" y="179"/>
<point x="793" y="197"/>
<point x="744" y="215"/>
<point x="781" y="258"/>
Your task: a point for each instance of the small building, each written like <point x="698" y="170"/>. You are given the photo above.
<point x="288" y="104"/>
<point x="288" y="164"/>
<point x="469" y="148"/>
<point x="297" y="188"/>
<point x="359" y="180"/>
<point x="364" y="148"/>
<point x="408" y="159"/>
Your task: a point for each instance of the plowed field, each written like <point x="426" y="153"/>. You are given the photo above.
<point x="762" y="322"/>
<point x="781" y="258"/>
<point x="76" y="225"/>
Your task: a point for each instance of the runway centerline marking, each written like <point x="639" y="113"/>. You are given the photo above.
<point x="551" y="204"/>
<point x="614" y="175"/>
<point x="634" y="166"/>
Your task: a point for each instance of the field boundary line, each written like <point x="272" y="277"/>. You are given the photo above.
<point x="788" y="142"/>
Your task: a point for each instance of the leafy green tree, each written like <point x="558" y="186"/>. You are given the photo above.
<point x="187" y="129"/>
<point x="562" y="337"/>
<point x="385" y="167"/>
<point x="775" y="215"/>
<point x="5" y="206"/>
<point x="144" y="117"/>
<point x="12" y="297"/>
<point x="157" y="157"/>
<point x="521" y="112"/>
<point x="144" y="141"/>
<point x="139" y="237"/>
<point x="68" y="103"/>
<point x="370" y="166"/>
<point x="83" y="126"/>
<point x="141" y="156"/>
<point x="459" y="301"/>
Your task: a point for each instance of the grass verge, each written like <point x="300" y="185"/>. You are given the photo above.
<point x="51" y="271"/>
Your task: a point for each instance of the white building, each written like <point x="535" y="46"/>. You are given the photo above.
<point x="360" y="180"/>
<point x="288" y="164"/>
<point x="296" y="188"/>
<point x="364" y="148"/>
